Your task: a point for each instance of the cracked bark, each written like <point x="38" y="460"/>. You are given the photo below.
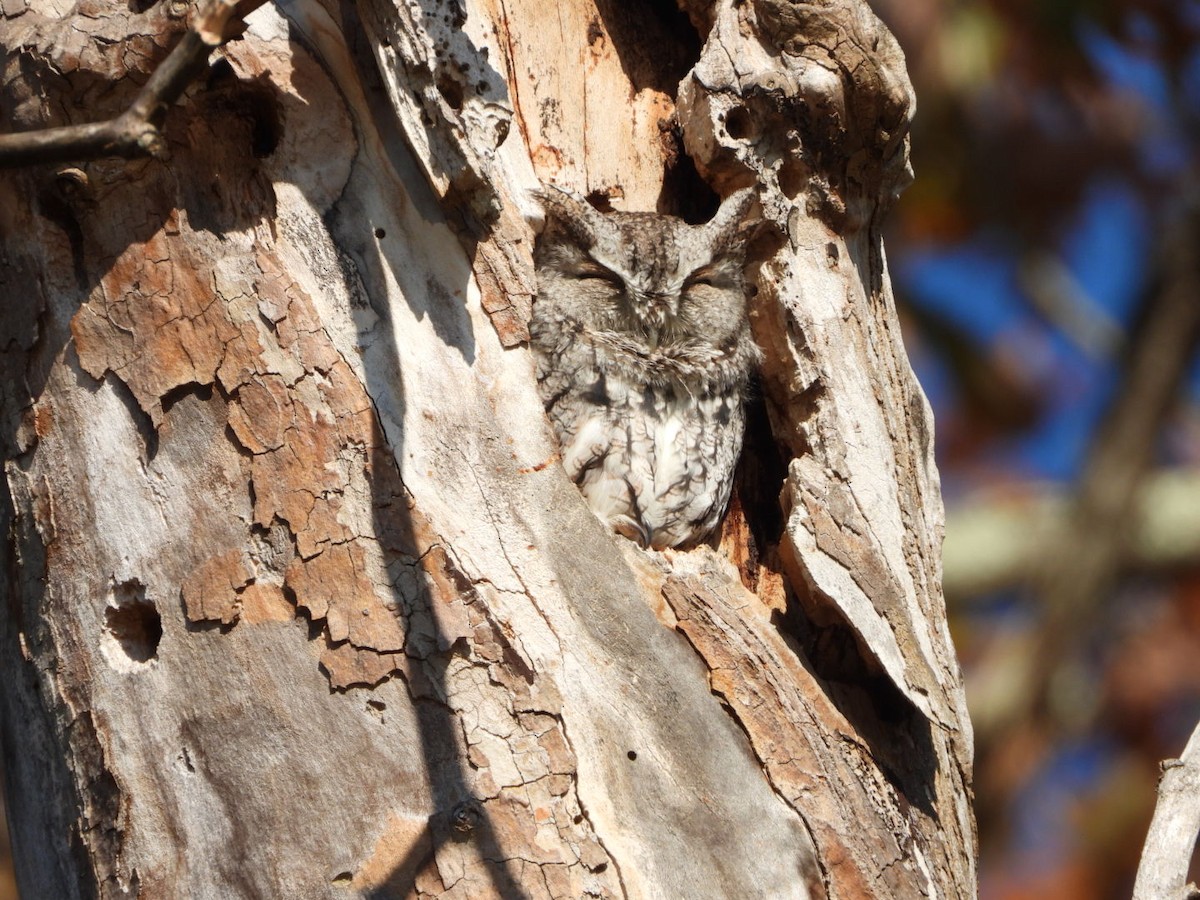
<point x="298" y="601"/>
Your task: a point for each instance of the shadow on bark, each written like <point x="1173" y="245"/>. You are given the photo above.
<point x="457" y="814"/>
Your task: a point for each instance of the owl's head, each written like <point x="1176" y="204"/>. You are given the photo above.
<point x="652" y="275"/>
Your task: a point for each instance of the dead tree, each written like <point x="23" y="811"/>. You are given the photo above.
<point x="299" y="602"/>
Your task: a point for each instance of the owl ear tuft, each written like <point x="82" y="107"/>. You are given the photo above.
<point x="735" y="222"/>
<point x="570" y="213"/>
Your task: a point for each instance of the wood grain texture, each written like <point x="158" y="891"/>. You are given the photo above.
<point x="296" y="581"/>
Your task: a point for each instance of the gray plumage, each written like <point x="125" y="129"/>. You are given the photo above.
<point x="644" y="356"/>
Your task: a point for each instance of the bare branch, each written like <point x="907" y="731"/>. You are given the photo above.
<point x="1162" y="874"/>
<point x="136" y="132"/>
<point x="995" y="538"/>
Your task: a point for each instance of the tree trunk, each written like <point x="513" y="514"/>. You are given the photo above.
<point x="300" y="602"/>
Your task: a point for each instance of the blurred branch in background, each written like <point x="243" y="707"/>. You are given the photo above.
<point x="1080" y="567"/>
<point x="1049" y="274"/>
<point x="1056" y="293"/>
<point x="995" y="538"/>
<point x="1080" y="560"/>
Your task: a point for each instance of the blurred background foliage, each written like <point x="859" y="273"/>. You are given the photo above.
<point x="1047" y="264"/>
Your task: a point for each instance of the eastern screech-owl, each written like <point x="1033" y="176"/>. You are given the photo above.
<point x="644" y="355"/>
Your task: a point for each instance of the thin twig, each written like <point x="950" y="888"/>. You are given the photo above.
<point x="137" y="131"/>
<point x="1162" y="874"/>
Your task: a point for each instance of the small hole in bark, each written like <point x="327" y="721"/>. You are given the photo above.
<point x="258" y="102"/>
<point x="219" y="73"/>
<point x="137" y="628"/>
<point x="792" y="175"/>
<point x="577" y="819"/>
<point x="185" y="759"/>
<point x="737" y="124"/>
<point x="266" y="133"/>
<point x="132" y="626"/>
<point x="464" y="818"/>
<point x="451" y="92"/>
<point x="600" y="200"/>
<point x="380" y="233"/>
<point x="632" y="754"/>
<point x="255" y="101"/>
<point x="685" y="193"/>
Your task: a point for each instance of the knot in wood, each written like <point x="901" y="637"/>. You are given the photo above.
<point x="465" y="817"/>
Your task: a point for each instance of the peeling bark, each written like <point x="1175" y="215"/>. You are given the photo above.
<point x="299" y="602"/>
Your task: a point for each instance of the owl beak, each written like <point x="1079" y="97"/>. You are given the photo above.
<point x="658" y="308"/>
<point x="664" y="304"/>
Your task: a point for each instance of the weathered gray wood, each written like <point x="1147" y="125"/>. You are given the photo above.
<point x="299" y="602"/>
